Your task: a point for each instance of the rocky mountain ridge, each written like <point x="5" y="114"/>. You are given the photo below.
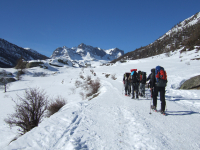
<point x="185" y="36"/>
<point x="86" y="52"/>
<point x="10" y="53"/>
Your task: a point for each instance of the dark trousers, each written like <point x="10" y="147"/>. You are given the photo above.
<point x="135" y="88"/>
<point x="127" y="87"/>
<point x="162" y="97"/>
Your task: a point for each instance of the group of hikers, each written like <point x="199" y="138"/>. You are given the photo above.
<point x="134" y="82"/>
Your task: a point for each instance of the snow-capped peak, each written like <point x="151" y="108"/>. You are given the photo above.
<point x="86" y="53"/>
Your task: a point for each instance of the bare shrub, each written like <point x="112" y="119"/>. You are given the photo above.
<point x="78" y="83"/>
<point x="183" y="50"/>
<point x="18" y="76"/>
<point x="56" y="106"/>
<point x="21" y="65"/>
<point x="82" y="77"/>
<point x="113" y="77"/>
<point x="39" y="74"/>
<point x="29" y="111"/>
<point x="88" y="78"/>
<point x="107" y="75"/>
<point x="94" y="87"/>
<point x="4" y="80"/>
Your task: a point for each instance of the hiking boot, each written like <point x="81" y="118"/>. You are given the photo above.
<point x="153" y="107"/>
<point x="132" y="97"/>
<point x="162" y="112"/>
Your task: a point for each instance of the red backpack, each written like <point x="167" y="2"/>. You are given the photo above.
<point x="161" y="76"/>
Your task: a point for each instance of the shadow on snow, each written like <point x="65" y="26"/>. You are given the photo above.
<point x="181" y="113"/>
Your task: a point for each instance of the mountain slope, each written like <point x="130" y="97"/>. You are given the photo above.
<point x="184" y="35"/>
<point x="10" y="53"/>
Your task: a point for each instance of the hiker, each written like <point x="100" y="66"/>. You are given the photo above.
<point x="160" y="84"/>
<point x="142" y="84"/>
<point x="151" y="79"/>
<point x="127" y="84"/>
<point x="134" y="82"/>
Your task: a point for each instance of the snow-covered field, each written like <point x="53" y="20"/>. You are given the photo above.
<point x="110" y="121"/>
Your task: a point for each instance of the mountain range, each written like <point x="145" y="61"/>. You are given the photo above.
<point x="77" y="56"/>
<point x="85" y="54"/>
<point x="185" y="36"/>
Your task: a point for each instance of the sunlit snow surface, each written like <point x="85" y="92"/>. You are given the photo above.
<point x="110" y="121"/>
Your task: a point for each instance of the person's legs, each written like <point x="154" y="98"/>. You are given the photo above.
<point x="155" y="94"/>
<point x="162" y="98"/>
<point x="132" y="90"/>
<point x="143" y="90"/>
<point x="126" y="87"/>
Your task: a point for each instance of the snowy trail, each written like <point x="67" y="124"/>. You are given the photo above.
<point x="113" y="121"/>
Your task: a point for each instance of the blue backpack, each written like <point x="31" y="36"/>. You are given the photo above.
<point x="161" y="76"/>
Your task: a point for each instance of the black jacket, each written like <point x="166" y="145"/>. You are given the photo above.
<point x="152" y="78"/>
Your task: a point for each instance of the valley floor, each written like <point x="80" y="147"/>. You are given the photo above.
<point x="111" y="121"/>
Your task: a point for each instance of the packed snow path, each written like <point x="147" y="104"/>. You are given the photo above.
<point x="113" y="122"/>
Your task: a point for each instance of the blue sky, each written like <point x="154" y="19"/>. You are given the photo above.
<point x="44" y="25"/>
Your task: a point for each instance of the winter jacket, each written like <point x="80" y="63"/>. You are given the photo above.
<point x="152" y="78"/>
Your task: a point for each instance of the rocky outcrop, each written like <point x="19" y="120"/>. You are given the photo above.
<point x="33" y="64"/>
<point x="192" y="83"/>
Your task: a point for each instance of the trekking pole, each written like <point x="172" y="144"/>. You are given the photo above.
<point x="150" y="107"/>
<point x="165" y="106"/>
<point x="122" y="88"/>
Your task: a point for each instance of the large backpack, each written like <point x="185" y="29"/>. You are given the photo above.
<point x="134" y="78"/>
<point x="127" y="74"/>
<point x="161" y="76"/>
